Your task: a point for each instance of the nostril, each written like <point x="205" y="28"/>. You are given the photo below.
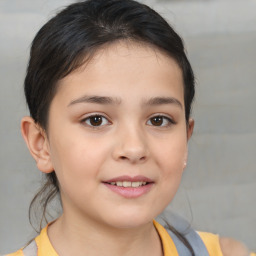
<point x="125" y="158"/>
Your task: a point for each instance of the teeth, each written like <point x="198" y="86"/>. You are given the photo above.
<point x="136" y="184"/>
<point x="119" y="183"/>
<point x="128" y="184"/>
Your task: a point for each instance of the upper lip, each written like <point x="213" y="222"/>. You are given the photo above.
<point x="129" y="178"/>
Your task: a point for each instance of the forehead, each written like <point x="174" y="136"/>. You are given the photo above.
<point x="124" y="67"/>
<point x="128" y="54"/>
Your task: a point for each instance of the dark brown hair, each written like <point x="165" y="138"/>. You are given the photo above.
<point x="73" y="36"/>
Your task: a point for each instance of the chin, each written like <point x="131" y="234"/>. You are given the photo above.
<point x="130" y="224"/>
<point x="129" y="220"/>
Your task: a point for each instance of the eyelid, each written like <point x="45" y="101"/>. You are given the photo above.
<point x="170" y="120"/>
<point x="164" y="116"/>
<point x="83" y="120"/>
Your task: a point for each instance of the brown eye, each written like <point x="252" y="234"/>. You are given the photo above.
<point x="157" y="120"/>
<point x="96" y="120"/>
<point x="161" y="121"/>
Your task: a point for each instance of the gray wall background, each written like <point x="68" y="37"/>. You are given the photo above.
<point x="219" y="185"/>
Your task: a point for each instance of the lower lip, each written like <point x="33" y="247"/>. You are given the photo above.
<point x="130" y="192"/>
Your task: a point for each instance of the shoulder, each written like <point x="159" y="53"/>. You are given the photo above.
<point x="232" y="247"/>
<point x="223" y="246"/>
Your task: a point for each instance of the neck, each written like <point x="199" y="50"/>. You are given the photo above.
<point x="77" y="238"/>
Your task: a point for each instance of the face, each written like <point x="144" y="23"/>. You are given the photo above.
<point x="117" y="136"/>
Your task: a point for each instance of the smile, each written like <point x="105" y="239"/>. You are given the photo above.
<point x="130" y="187"/>
<point x="129" y="184"/>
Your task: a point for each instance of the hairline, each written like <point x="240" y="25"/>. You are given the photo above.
<point x="86" y="59"/>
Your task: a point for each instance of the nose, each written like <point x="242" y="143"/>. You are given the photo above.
<point x="131" y="146"/>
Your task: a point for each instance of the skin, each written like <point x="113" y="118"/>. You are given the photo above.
<point x="126" y="143"/>
<point x="231" y="247"/>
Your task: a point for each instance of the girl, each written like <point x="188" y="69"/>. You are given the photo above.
<point x="109" y="89"/>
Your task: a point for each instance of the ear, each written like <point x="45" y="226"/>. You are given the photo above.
<point x="190" y="128"/>
<point x="37" y="143"/>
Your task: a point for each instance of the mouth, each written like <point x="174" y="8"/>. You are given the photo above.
<point x="128" y="184"/>
<point x="130" y="187"/>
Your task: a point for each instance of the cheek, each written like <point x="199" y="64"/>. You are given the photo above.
<point x="75" y="169"/>
<point x="171" y="156"/>
<point x="77" y="158"/>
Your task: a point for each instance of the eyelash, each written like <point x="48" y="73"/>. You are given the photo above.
<point x="169" y="121"/>
<point x="88" y="118"/>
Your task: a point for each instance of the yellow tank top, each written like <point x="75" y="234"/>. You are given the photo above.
<point x="211" y="242"/>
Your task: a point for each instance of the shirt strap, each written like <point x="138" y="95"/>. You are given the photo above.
<point x="31" y="249"/>
<point x="184" y="228"/>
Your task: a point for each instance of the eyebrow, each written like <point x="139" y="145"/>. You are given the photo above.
<point x="104" y="100"/>
<point x="163" y="101"/>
